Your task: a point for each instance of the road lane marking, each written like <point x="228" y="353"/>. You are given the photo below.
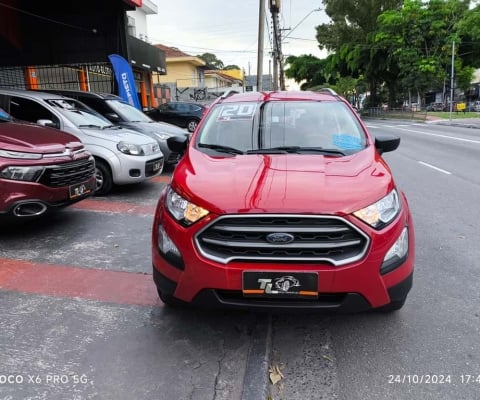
<point x="117" y="287"/>
<point x="435" y="168"/>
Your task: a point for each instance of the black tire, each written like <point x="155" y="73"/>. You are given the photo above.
<point x="103" y="178"/>
<point x="192" y="125"/>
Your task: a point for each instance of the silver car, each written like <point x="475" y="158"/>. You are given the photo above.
<point x="122" y="156"/>
<point x="121" y="113"/>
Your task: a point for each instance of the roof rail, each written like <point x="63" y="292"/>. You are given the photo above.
<point x="328" y="90"/>
<point x="228" y="93"/>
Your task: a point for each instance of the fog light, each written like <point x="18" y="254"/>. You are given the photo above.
<point x="397" y="254"/>
<point x="135" y="173"/>
<point x="168" y="249"/>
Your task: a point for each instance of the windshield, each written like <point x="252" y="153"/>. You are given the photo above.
<point x="276" y="127"/>
<point x="128" y="112"/>
<point x="79" y="114"/>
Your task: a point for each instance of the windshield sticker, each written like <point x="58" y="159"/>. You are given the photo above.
<point x="347" y="142"/>
<point x="237" y="111"/>
<point x="4" y="115"/>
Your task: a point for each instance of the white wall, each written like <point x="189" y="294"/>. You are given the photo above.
<point x="140" y="16"/>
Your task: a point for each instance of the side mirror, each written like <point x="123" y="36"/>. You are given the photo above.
<point x="178" y="144"/>
<point x="386" y="143"/>
<point x="47" y="122"/>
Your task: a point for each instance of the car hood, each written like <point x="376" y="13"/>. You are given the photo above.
<point x="36" y="139"/>
<point x="117" y="134"/>
<point x="155" y="128"/>
<point x="283" y="183"/>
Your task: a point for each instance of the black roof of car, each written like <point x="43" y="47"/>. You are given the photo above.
<point x="70" y="93"/>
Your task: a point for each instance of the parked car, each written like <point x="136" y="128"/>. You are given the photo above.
<point x="435" y="107"/>
<point x="122" y="156"/>
<point x="121" y="113"/>
<point x="290" y="206"/>
<point x="184" y="115"/>
<point x="41" y="169"/>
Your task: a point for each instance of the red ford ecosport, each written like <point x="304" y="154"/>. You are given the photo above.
<point x="40" y="169"/>
<point x="283" y="201"/>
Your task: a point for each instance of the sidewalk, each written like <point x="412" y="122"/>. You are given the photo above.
<point x="462" y="122"/>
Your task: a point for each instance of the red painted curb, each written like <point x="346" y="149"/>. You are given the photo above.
<point x="113" y="207"/>
<point x="65" y="281"/>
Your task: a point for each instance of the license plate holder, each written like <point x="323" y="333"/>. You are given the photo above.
<point x="79" y="189"/>
<point x="156" y="166"/>
<point x="266" y="284"/>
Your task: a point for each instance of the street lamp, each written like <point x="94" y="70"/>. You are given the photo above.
<point x="303" y="19"/>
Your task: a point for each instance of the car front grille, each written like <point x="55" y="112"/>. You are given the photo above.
<point x="69" y="173"/>
<point x="313" y="239"/>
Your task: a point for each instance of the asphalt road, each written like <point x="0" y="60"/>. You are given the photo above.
<point x="80" y="319"/>
<point x="431" y="348"/>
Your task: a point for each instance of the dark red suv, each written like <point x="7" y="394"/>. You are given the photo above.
<point x="283" y="201"/>
<point x="41" y="169"/>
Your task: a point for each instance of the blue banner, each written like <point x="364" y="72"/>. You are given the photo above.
<point x="126" y="82"/>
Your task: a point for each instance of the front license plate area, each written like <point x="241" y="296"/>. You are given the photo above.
<point x="80" y="189"/>
<point x="156" y="166"/>
<point x="280" y="284"/>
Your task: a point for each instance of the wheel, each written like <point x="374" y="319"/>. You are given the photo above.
<point x="169" y="300"/>
<point x="192" y="125"/>
<point x="103" y="178"/>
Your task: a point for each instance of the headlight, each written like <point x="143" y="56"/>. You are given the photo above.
<point x="130" y="148"/>
<point x="382" y="212"/>
<point x="30" y="174"/>
<point x="182" y="210"/>
<point x="20" y="155"/>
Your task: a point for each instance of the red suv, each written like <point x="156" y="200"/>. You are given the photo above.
<point x="283" y="201"/>
<point x="41" y="169"/>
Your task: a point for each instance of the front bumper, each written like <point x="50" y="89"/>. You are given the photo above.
<point x="233" y="299"/>
<point x="356" y="286"/>
<point x="29" y="199"/>
<point x="134" y="169"/>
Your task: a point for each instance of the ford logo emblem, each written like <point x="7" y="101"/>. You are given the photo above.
<point x="280" y="238"/>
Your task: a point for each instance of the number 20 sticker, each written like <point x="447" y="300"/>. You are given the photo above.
<point x="237" y="111"/>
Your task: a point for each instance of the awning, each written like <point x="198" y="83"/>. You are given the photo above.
<point x="145" y="56"/>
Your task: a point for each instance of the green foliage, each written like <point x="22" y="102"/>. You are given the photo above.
<point x="211" y="60"/>
<point x="392" y="48"/>
<point x="230" y="67"/>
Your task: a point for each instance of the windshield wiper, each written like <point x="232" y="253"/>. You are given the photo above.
<point x="223" y="149"/>
<point x="90" y="126"/>
<point x="111" y="127"/>
<point x="295" y="149"/>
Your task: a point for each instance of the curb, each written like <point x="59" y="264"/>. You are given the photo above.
<point x="255" y="381"/>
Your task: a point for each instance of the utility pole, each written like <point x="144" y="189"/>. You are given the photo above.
<point x="278" y="75"/>
<point x="261" y="29"/>
<point x="452" y="80"/>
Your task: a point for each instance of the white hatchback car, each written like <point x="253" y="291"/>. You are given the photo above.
<point x="122" y="156"/>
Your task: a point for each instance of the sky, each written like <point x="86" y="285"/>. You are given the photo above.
<point x="229" y="29"/>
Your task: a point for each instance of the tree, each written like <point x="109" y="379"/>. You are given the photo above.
<point x="211" y="60"/>
<point x="231" y="66"/>
<point x="349" y="36"/>
<point x="307" y="70"/>
<point x="418" y="39"/>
